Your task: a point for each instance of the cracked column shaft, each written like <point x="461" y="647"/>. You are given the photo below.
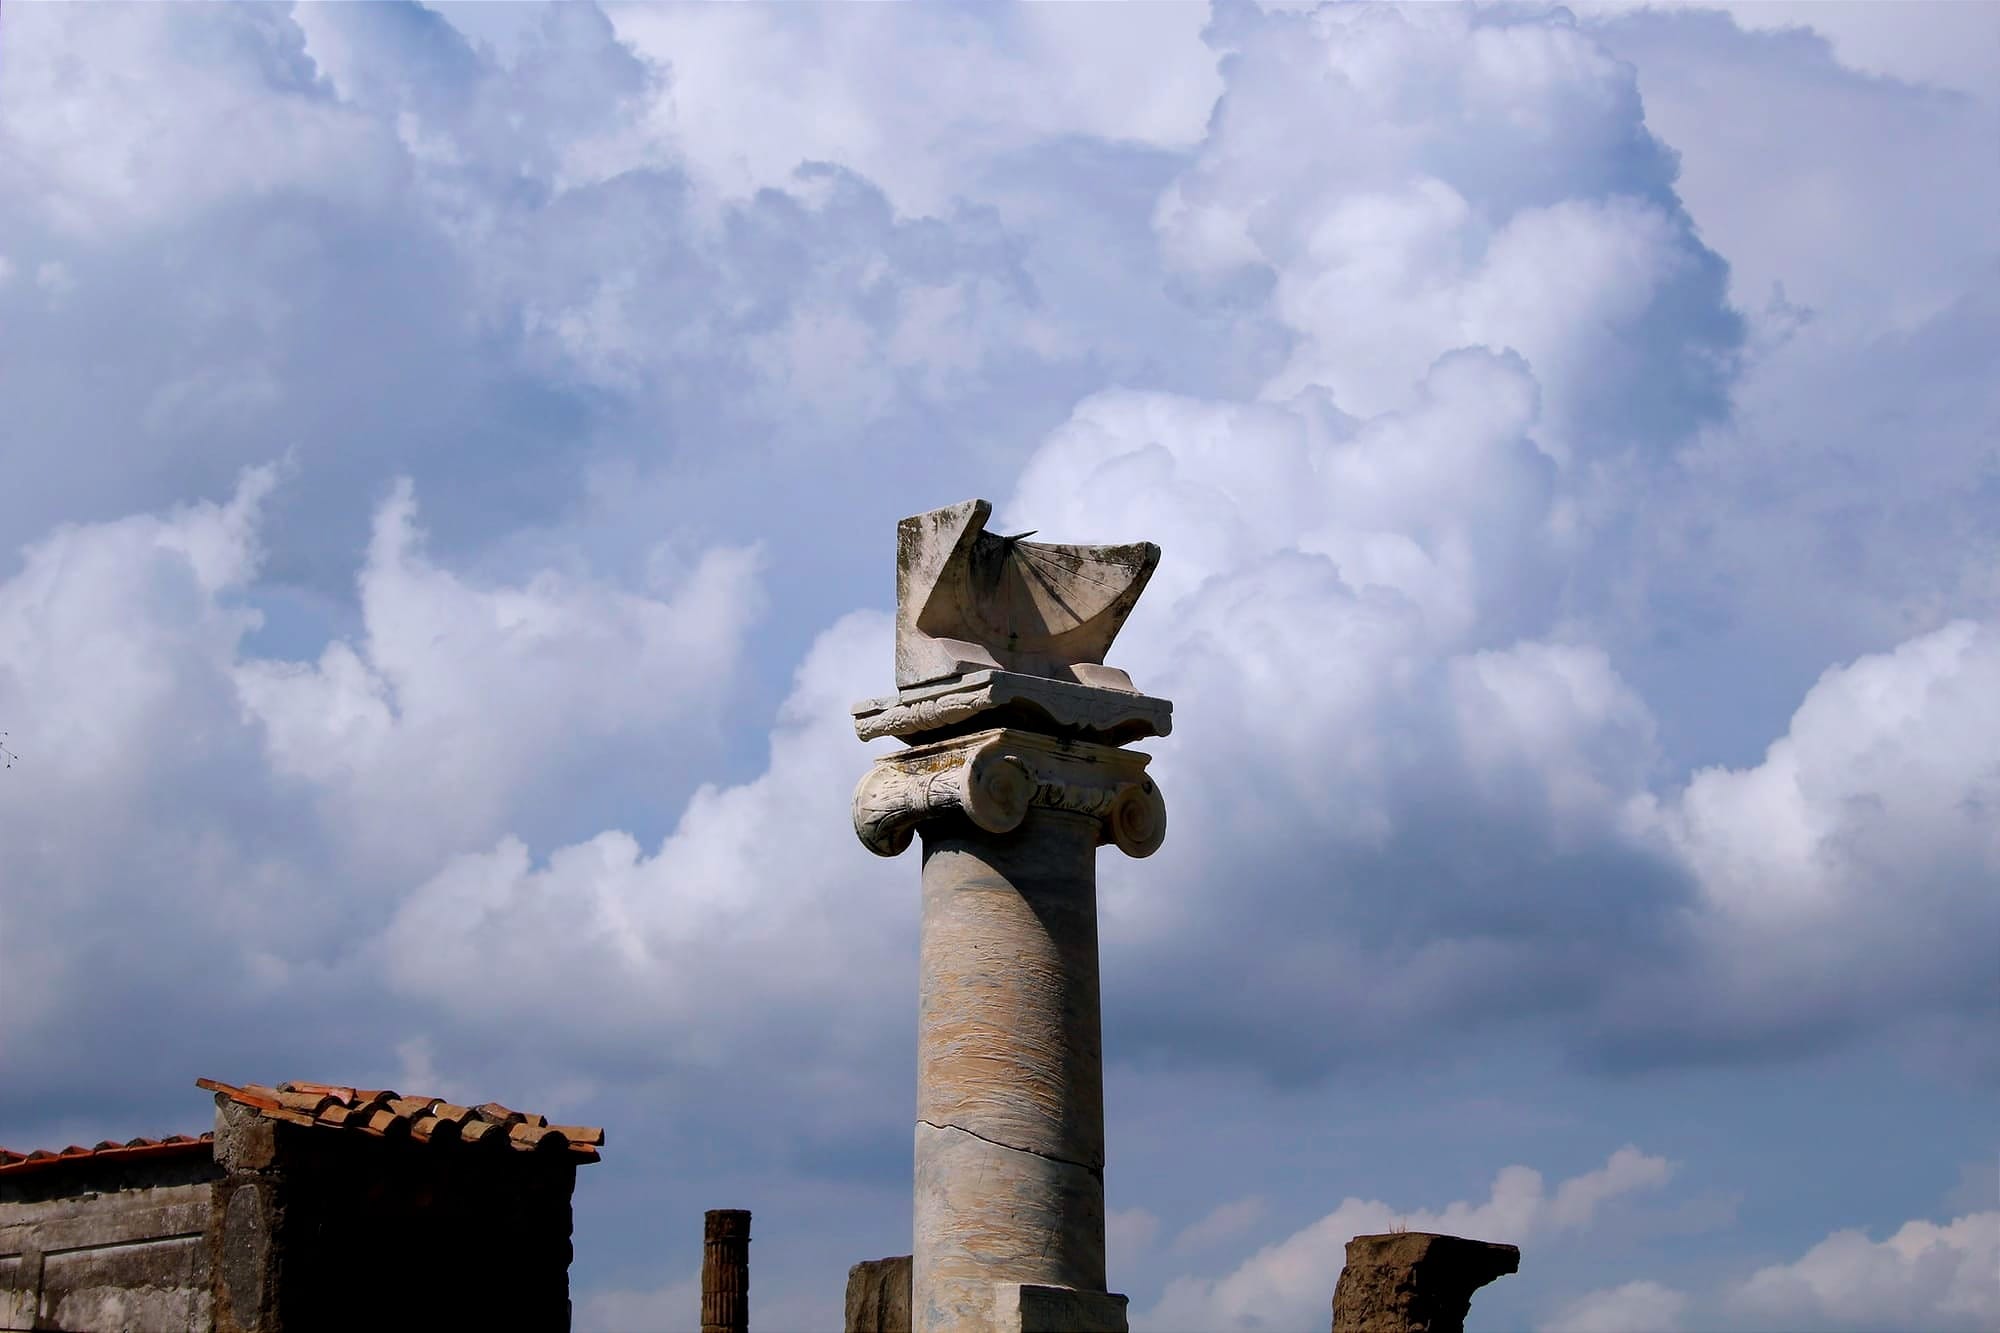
<point x="1010" y="1102"/>
<point x="1015" y="774"/>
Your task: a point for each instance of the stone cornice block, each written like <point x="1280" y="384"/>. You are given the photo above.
<point x="1103" y="713"/>
<point x="1031" y="1307"/>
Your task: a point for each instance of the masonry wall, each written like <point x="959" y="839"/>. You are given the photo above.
<point x="99" y="1245"/>
<point x="307" y="1221"/>
<point x="289" y="1229"/>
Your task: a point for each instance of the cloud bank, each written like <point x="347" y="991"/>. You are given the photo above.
<point x="452" y="511"/>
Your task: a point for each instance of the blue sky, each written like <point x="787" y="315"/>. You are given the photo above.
<point x="451" y="456"/>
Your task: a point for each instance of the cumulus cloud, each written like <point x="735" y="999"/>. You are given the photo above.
<point x="1224" y="1222"/>
<point x="1635" y="1307"/>
<point x="457" y="696"/>
<point x="93" y="151"/>
<point x="1408" y="560"/>
<point x="919" y="103"/>
<point x="269" y="813"/>
<point x="115" y="644"/>
<point x="1506" y="526"/>
<point x="502" y="279"/>
<point x="1452" y="177"/>
<point x="1128" y="1235"/>
<point x="1884" y="777"/>
<point x="1925" y="1274"/>
<point x="1290" y="1283"/>
<point x="758" y="891"/>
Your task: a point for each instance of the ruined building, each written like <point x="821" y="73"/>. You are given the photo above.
<point x="308" y="1205"/>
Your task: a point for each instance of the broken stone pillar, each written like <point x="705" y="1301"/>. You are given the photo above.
<point x="725" y="1271"/>
<point x="1013" y="779"/>
<point x="1415" y="1281"/>
<point x="878" y="1296"/>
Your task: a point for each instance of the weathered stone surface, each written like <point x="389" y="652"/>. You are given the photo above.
<point x="1009" y="1044"/>
<point x="878" y="1296"/>
<point x="246" y="1287"/>
<point x="968" y="600"/>
<point x="1415" y="1281"/>
<point x="244" y="1140"/>
<point x="994" y="778"/>
<point x="982" y="699"/>
<point x="465" y="1238"/>
<point x="1003" y="691"/>
<point x="987" y="1213"/>
<point x="275" y="1226"/>
<point x="725" y="1271"/>
<point x="1010" y="1100"/>
<point x="1029" y="1308"/>
<point x="128" y="1255"/>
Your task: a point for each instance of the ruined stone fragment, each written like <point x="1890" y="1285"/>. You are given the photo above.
<point x="1415" y="1281"/>
<point x="878" y="1296"/>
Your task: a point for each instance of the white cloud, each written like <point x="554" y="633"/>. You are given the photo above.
<point x="1926" y="1275"/>
<point x="89" y="150"/>
<point x="423" y="734"/>
<point x="267" y="814"/>
<point x="1635" y="1307"/>
<point x="1223" y="1222"/>
<point x="759" y="891"/>
<point x="1944" y="42"/>
<point x="1821" y="178"/>
<point x="1128" y="1236"/>
<point x="1885" y="776"/>
<point x="919" y="102"/>
<point x="115" y="642"/>
<point x="1290" y="1283"/>
<point x="1888" y="764"/>
<point x="109" y="632"/>
<point x="1428" y="178"/>
<point x="1409" y="403"/>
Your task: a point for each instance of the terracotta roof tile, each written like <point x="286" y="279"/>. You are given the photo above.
<point x="109" y="1150"/>
<point x="382" y="1113"/>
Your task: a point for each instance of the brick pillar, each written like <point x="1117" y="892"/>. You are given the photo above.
<point x="725" y="1271"/>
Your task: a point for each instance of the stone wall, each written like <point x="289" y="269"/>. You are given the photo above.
<point x="304" y="1219"/>
<point x="283" y="1228"/>
<point x="107" y="1245"/>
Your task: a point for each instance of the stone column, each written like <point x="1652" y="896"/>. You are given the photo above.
<point x="1013" y="780"/>
<point x="725" y="1271"/>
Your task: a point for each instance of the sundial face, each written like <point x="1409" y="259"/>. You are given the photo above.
<point x="969" y="599"/>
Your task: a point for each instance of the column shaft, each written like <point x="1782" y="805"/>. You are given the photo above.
<point x="1010" y="1109"/>
<point x="725" y="1271"/>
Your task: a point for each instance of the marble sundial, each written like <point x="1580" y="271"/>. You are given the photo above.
<point x="1003" y="630"/>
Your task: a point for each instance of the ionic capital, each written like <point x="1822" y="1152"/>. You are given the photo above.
<point x="995" y="777"/>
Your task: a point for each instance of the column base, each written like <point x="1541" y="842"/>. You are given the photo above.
<point x="1027" y="1307"/>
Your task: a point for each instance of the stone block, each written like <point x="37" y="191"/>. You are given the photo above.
<point x="1026" y="1307"/>
<point x="878" y="1296"/>
<point x="1415" y="1281"/>
<point x="981" y="699"/>
<point x="244" y="1140"/>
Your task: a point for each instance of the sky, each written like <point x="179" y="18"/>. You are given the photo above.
<point x="451" y="458"/>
